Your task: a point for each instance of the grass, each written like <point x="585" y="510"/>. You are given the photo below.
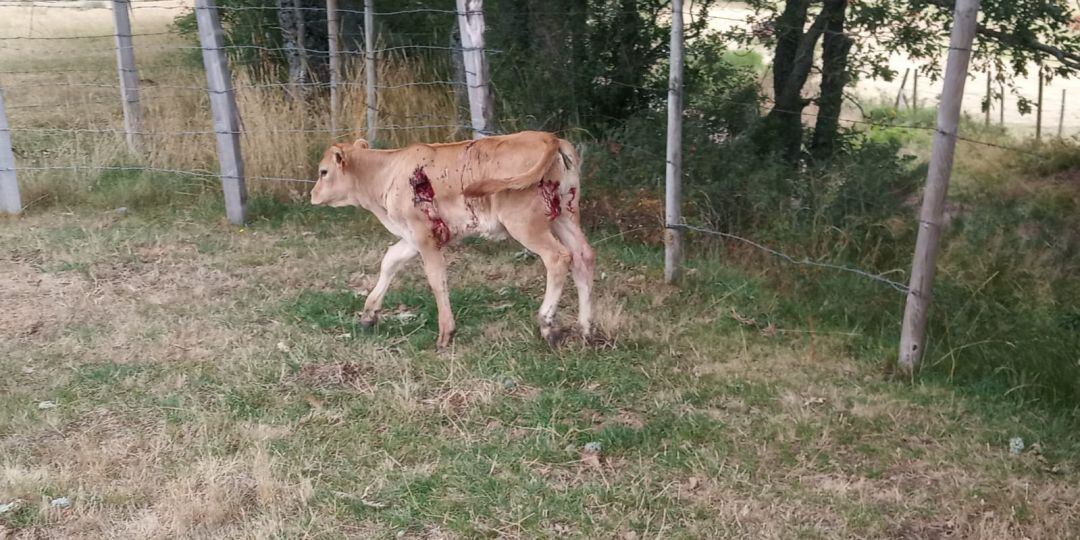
<point x="50" y="101"/>
<point x="230" y="392"/>
<point x="213" y="381"/>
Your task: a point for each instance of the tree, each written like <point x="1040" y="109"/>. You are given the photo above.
<point x="589" y="64"/>
<point x="857" y="39"/>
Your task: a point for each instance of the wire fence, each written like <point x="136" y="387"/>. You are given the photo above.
<point x="78" y="80"/>
<point x="72" y="72"/>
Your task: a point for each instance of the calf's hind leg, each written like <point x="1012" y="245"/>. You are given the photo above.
<point x="535" y="235"/>
<point x="583" y="263"/>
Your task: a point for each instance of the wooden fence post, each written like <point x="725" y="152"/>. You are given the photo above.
<point x="333" y="34"/>
<point x="1039" y="107"/>
<point x="673" y="174"/>
<point x="915" y="91"/>
<point x="369" y="69"/>
<point x="481" y="99"/>
<point x="913" y="333"/>
<point x="900" y="93"/>
<point x="129" y="78"/>
<point x="1001" y="104"/>
<point x="10" y="202"/>
<point x="1061" y="115"/>
<point x="223" y="107"/>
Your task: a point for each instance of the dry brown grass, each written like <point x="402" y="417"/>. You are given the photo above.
<point x="157" y="346"/>
<point x="282" y="138"/>
<point x="212" y="381"/>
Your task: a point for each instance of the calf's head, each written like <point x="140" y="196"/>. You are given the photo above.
<point x="336" y="185"/>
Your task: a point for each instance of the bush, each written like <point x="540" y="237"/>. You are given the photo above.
<point x="859" y="195"/>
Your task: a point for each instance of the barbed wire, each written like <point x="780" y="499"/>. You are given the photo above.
<point x="805" y="261"/>
<point x="121" y="132"/>
<point x="98" y="36"/>
<point x="83" y="7"/>
<point x="806" y="114"/>
<point x="427" y="83"/>
<point x="318" y="53"/>
<point x="284" y="85"/>
<point x="146" y="168"/>
<point x="654" y="90"/>
<point x="451" y="83"/>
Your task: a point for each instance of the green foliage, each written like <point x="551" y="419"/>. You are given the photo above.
<point x="1008" y="299"/>
<point x="247" y="27"/>
<point x="554" y="65"/>
<point x="745" y="59"/>
<point x="1051" y="157"/>
<point x="732" y="189"/>
<point x="1013" y="35"/>
<point x="581" y="64"/>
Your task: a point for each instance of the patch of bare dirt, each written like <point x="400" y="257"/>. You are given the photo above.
<point x="36" y="304"/>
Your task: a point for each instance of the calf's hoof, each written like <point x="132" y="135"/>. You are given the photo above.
<point x="368" y="321"/>
<point x="551" y="335"/>
<point x="586" y="333"/>
<point x="442" y="344"/>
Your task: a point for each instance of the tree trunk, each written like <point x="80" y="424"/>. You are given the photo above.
<point x="290" y="37"/>
<point x="782" y="128"/>
<point x="302" y="34"/>
<point x="834" y="77"/>
<point x="789" y="30"/>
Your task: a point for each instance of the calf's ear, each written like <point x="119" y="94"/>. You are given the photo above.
<point x="339" y="156"/>
<point x="361" y="143"/>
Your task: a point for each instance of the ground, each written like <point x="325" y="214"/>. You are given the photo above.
<point x="174" y="376"/>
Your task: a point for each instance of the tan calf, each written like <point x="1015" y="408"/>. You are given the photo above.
<point x="430" y="195"/>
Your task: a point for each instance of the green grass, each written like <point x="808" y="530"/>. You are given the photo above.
<point x="745" y="59"/>
<point x="217" y="382"/>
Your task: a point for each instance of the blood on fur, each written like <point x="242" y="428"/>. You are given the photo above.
<point x="438" y="228"/>
<point x="421" y="185"/>
<point x="424" y="199"/>
<point x="570" y="202"/>
<point x="549" y="193"/>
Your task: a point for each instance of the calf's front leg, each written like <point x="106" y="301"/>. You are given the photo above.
<point x="435" y="268"/>
<point x="395" y="258"/>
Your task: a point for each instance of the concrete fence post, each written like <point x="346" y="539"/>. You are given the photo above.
<point x="477" y="81"/>
<point x="223" y="106"/>
<point x="129" y="77"/>
<point x="10" y="201"/>
<point x="913" y="332"/>
<point x="673" y="241"/>
<point x="369" y="70"/>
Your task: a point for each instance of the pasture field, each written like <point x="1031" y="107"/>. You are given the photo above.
<point x="174" y="376"/>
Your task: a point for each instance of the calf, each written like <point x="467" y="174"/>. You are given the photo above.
<point x="430" y="195"/>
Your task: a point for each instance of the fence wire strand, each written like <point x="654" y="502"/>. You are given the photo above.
<point x="151" y="91"/>
<point x="880" y="278"/>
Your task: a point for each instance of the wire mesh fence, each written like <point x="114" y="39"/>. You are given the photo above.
<point x="92" y="90"/>
<point x="63" y="84"/>
<point x="75" y="73"/>
<point x="61" y="89"/>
